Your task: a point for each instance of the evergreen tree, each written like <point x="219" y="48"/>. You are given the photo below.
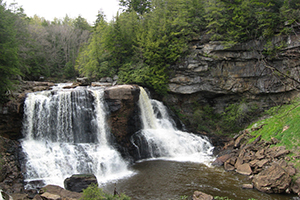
<point x="138" y="6"/>
<point x="9" y="62"/>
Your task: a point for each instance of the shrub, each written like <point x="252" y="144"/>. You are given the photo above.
<point x="93" y="192"/>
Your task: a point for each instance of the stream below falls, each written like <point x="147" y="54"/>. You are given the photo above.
<point x="171" y="180"/>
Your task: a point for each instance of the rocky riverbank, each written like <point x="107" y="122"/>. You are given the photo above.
<point x="266" y="164"/>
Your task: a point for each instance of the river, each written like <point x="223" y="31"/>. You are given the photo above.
<point x="171" y="180"/>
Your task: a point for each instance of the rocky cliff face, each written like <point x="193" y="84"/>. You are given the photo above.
<point x="11" y="113"/>
<point x="217" y="76"/>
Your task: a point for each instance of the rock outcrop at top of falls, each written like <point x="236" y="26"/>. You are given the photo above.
<point x="124" y="117"/>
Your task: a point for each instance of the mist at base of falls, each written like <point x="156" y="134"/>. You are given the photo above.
<point x="66" y="133"/>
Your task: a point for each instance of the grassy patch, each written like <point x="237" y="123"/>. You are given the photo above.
<point x="283" y="124"/>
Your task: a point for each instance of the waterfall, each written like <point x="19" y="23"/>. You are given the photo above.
<point x="65" y="133"/>
<point x="160" y="139"/>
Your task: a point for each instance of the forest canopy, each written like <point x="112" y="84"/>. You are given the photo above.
<point x="139" y="44"/>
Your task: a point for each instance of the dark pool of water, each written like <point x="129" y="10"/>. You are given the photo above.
<point x="170" y="180"/>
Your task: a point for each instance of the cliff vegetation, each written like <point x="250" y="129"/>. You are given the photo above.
<point x="139" y="44"/>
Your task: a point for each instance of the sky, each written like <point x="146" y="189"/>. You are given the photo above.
<point x="87" y="9"/>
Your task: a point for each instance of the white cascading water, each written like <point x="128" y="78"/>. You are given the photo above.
<point x="65" y="134"/>
<point x="161" y="140"/>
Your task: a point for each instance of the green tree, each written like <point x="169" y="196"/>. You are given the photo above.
<point x="100" y="17"/>
<point x="92" y="60"/>
<point x="138" y="6"/>
<point x="239" y="21"/>
<point x="9" y="62"/>
<point x="82" y="24"/>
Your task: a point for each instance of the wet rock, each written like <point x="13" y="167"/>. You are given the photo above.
<point x="256" y="140"/>
<point x="260" y="154"/>
<point x="5" y="196"/>
<point x="296" y="187"/>
<point x="238" y="141"/>
<point x="53" y="191"/>
<point x="201" y="196"/>
<point x="49" y="196"/>
<point x="276" y="152"/>
<point x="244" y="169"/>
<point x="221" y="160"/>
<point x="273" y="179"/>
<point x="18" y="196"/>
<point x="85" y="81"/>
<point x="37" y="197"/>
<point x="281" y="152"/>
<point x="262" y="163"/>
<point x="291" y="170"/>
<point x="247" y="186"/>
<point x="229" y="164"/>
<point x="238" y="163"/>
<point x="78" y="182"/>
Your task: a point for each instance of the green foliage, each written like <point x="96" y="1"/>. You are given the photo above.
<point x="283" y="125"/>
<point x="95" y="193"/>
<point x="138" y="6"/>
<point x="184" y="197"/>
<point x="226" y="198"/>
<point x="9" y="61"/>
<point x="82" y="24"/>
<point x="205" y="119"/>
<point x="138" y="48"/>
<point x="233" y="119"/>
<point x="140" y="44"/>
<point x="221" y="198"/>
<point x="242" y="20"/>
<point x="135" y="73"/>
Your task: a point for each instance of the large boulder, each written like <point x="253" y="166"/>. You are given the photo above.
<point x="79" y="182"/>
<point x="244" y="169"/>
<point x="124" y="120"/>
<point x="273" y="179"/>
<point x="85" y="81"/>
<point x="53" y="192"/>
<point x="201" y="196"/>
